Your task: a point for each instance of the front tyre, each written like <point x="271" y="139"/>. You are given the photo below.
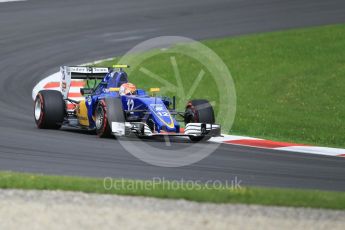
<point x="102" y="126"/>
<point x="50" y="109"/>
<point x="108" y="111"/>
<point x="199" y="111"/>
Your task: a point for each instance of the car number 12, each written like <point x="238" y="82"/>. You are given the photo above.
<point x="163" y="114"/>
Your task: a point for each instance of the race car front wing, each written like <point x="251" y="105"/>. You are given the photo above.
<point x="142" y="129"/>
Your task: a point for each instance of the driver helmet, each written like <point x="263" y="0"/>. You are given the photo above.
<point x="127" y="89"/>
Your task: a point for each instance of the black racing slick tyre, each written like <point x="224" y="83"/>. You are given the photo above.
<point x="50" y="109"/>
<point x="108" y="111"/>
<point x="103" y="128"/>
<point x="199" y="111"/>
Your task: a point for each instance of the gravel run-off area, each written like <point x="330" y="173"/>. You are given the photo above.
<point x="75" y="210"/>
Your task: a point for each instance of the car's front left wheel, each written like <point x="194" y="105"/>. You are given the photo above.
<point x="107" y="112"/>
<point x="103" y="128"/>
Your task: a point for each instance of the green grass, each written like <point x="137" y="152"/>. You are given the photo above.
<point x="260" y="196"/>
<point x="289" y="84"/>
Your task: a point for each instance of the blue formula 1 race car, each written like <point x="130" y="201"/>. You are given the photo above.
<point x="115" y="107"/>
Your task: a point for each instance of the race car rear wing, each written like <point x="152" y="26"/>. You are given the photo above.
<point x="69" y="73"/>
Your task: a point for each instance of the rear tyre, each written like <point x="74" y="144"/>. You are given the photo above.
<point x="50" y="109"/>
<point x="199" y="111"/>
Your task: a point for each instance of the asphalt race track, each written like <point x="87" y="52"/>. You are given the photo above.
<point x="37" y="36"/>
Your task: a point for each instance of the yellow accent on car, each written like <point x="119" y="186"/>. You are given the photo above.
<point x="120" y="66"/>
<point x="154" y="90"/>
<point x="82" y="113"/>
<point x="114" y="89"/>
<point x="170" y="125"/>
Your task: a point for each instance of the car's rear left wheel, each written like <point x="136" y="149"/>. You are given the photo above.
<point x="49" y="110"/>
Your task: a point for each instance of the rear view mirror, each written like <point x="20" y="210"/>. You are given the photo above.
<point x="84" y="91"/>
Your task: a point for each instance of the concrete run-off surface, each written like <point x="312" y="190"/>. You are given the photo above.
<point x="74" y="210"/>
